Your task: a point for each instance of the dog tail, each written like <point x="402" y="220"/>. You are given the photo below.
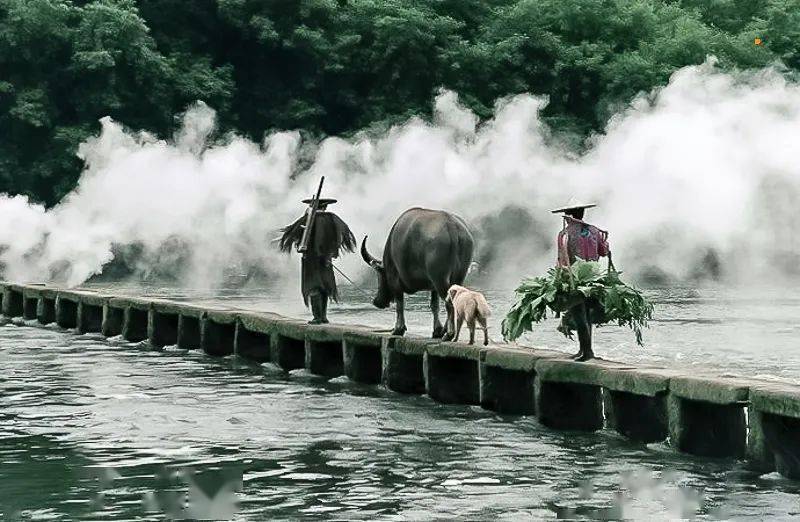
<point x="483" y="306"/>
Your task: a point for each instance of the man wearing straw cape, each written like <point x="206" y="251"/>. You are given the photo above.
<point x="579" y="239"/>
<point x="320" y="236"/>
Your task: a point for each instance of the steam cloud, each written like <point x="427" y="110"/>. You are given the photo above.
<point x="698" y="178"/>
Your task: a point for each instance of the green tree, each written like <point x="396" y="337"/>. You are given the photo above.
<point x="338" y="66"/>
<point x="69" y="65"/>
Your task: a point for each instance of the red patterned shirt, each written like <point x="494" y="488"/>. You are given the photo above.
<point x="581" y="240"/>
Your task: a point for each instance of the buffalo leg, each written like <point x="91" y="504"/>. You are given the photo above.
<point x="450" y="321"/>
<point x="438" y="329"/>
<point x="400" y="324"/>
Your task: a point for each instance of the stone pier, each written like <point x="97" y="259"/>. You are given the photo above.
<point x="451" y="372"/>
<point x="190" y="319"/>
<point x="507" y="379"/>
<point x="253" y="336"/>
<point x="636" y="402"/>
<point x="217" y="333"/>
<point x="362" y="356"/>
<point x="30" y="302"/>
<point x="323" y="350"/>
<point x="67" y="310"/>
<point x="288" y="345"/>
<point x="134" y="319"/>
<point x="569" y="394"/>
<point x="162" y="324"/>
<point x="708" y="415"/>
<point x="12" y="302"/>
<point x="90" y="313"/>
<point x="113" y="318"/>
<point x="774" y="435"/>
<point x="46" y="307"/>
<point x="403" y="363"/>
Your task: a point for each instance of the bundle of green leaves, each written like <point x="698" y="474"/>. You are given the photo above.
<point x="564" y="287"/>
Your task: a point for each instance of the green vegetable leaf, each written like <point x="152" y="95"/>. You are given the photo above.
<point x="610" y="300"/>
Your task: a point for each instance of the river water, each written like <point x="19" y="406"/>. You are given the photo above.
<point x="101" y="429"/>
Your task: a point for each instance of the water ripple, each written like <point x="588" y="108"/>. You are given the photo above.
<point x="91" y="429"/>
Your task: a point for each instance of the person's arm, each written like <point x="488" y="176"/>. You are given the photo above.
<point x="603" y="249"/>
<point x="562" y="244"/>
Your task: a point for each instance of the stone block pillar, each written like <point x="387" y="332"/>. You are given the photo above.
<point x="217" y="334"/>
<point x="162" y="327"/>
<point x="90" y="317"/>
<point x="403" y="368"/>
<point x="46" y="309"/>
<point x="451" y="373"/>
<point x="66" y="312"/>
<point x="251" y="345"/>
<point x="362" y="356"/>
<point x="113" y="318"/>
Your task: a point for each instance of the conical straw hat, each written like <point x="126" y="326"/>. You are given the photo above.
<point x="573" y="204"/>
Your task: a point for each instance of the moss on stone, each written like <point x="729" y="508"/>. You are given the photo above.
<point x="364" y="337"/>
<point x="454" y="350"/>
<point x="516" y="358"/>
<point x="714" y="389"/>
<point x="645" y="381"/>
<point x="130" y="302"/>
<point x="776" y="398"/>
<point x="409" y="345"/>
<point x="589" y="372"/>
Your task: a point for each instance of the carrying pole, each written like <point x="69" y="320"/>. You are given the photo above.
<point x="312" y="214"/>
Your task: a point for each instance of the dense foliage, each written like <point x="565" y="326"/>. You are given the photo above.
<point x="611" y="300"/>
<point x="336" y="66"/>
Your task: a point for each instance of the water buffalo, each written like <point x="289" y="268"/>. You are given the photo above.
<point x="426" y="250"/>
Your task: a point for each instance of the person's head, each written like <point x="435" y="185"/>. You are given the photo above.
<point x="322" y="203"/>
<point x="576" y="213"/>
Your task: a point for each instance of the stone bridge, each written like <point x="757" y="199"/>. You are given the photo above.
<point x="704" y="414"/>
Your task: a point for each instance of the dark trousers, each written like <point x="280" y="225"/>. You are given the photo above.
<point x="583" y="326"/>
<point x="579" y="319"/>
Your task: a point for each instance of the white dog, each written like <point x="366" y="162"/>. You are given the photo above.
<point x="469" y="306"/>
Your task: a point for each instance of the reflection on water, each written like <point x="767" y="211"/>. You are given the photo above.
<point x="108" y="430"/>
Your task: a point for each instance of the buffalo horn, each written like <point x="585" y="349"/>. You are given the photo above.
<point x="371" y="261"/>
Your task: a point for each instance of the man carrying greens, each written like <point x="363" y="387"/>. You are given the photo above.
<point x="578" y="289"/>
<point x="579" y="239"/>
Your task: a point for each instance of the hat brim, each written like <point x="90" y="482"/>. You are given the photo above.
<point x="573" y="207"/>
<point x="322" y="201"/>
